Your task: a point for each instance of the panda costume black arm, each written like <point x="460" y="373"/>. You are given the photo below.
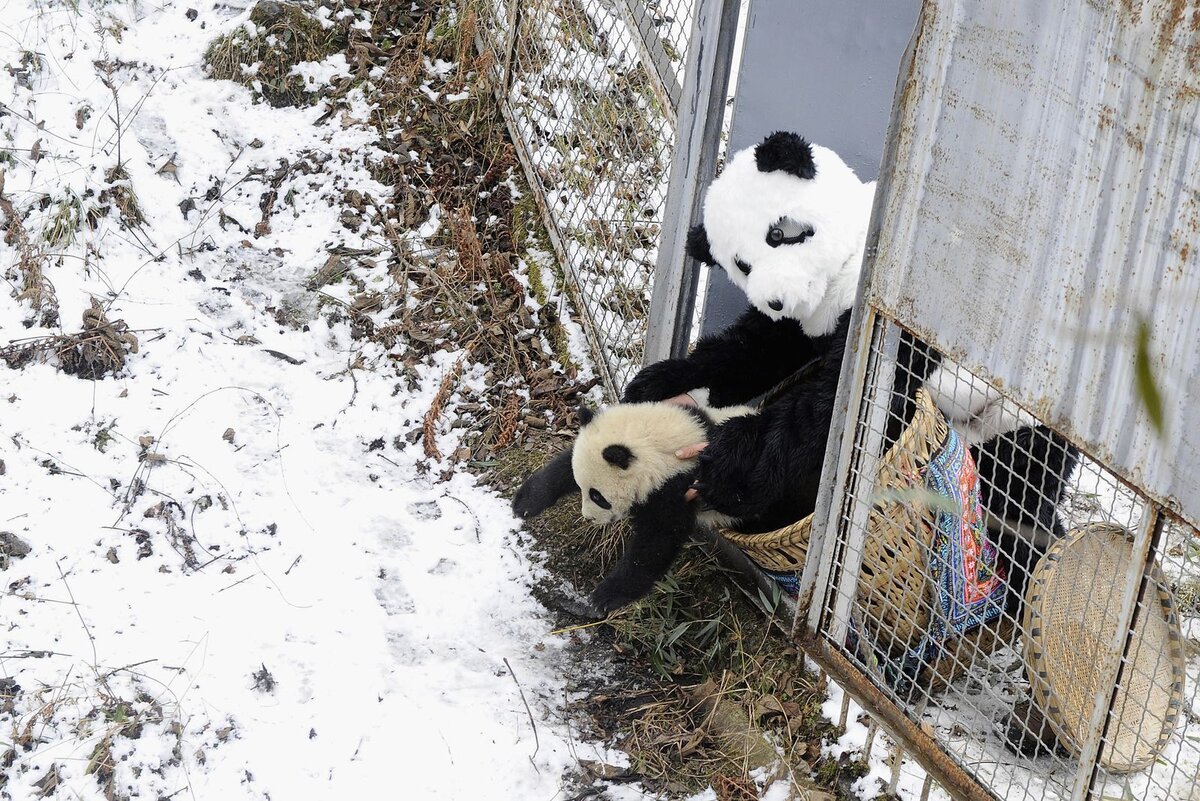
<point x="737" y="364"/>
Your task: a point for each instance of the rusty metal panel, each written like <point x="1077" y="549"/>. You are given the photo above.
<point x="1043" y="207"/>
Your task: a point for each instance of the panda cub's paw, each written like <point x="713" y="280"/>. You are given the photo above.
<point x="611" y="595"/>
<point x="544" y="488"/>
<point x="660" y="381"/>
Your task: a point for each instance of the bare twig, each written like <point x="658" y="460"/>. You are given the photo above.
<point x="87" y="630"/>
<point x="536" y="744"/>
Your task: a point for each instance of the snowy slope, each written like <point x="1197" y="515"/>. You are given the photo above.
<point x="242" y="583"/>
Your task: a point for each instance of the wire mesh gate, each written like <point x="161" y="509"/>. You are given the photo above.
<point x="1112" y="709"/>
<point x="589" y="89"/>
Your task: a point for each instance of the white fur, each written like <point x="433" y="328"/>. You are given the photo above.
<point x="975" y="409"/>
<point x="653" y="432"/>
<point x="816" y="280"/>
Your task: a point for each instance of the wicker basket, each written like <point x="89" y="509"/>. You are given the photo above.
<point x="1069" y="629"/>
<point x="894" y="597"/>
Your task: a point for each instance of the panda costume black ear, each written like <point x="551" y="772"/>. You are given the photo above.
<point x="786" y="151"/>
<point x="618" y="455"/>
<point x="697" y="246"/>
<point x="585" y="415"/>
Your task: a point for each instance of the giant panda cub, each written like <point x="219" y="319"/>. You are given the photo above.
<point x="623" y="463"/>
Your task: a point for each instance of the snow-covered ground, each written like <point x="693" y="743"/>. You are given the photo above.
<point x="245" y="577"/>
<point x="242" y="583"/>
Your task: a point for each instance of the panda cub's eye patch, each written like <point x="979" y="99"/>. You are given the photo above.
<point x="788" y="232"/>
<point x="741" y="265"/>
<point x="599" y="499"/>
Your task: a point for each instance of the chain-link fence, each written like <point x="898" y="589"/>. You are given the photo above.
<point x="1018" y="602"/>
<point x="589" y="88"/>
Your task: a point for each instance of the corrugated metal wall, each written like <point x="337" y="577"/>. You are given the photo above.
<point x="1045" y="201"/>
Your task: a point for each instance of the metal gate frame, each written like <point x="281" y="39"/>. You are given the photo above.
<point x="824" y="586"/>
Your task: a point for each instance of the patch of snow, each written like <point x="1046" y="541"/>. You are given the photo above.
<point x="233" y="543"/>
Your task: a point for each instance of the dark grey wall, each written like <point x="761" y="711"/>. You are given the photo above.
<point x="825" y="69"/>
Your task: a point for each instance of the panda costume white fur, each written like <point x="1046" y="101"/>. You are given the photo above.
<point x="787" y="221"/>
<point x="624" y="463"/>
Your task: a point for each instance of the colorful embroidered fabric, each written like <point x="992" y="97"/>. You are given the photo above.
<point x="967" y="583"/>
<point x="788" y="582"/>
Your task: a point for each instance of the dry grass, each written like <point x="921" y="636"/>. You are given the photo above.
<point x="286" y="35"/>
<point x="35" y="288"/>
<point x="99" y="349"/>
<point x="119" y="193"/>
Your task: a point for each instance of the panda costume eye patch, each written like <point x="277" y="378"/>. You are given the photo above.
<point x="788" y="232"/>
<point x="599" y="499"/>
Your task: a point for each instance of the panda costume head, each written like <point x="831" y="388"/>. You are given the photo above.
<point x="787" y="222"/>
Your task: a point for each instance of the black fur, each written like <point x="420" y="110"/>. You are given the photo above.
<point x="915" y="362"/>
<point x="765" y="469"/>
<point x="698" y="247"/>
<point x="585" y="415"/>
<point x="785" y="151"/>
<point x="545" y="487"/>
<point x="701" y="417"/>
<point x="1022" y="478"/>
<point x="737" y="364"/>
<point x="661" y="526"/>
<point x="618" y="455"/>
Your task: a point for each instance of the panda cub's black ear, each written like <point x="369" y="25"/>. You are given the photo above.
<point x="618" y="455"/>
<point x="698" y="247"/>
<point x="786" y="151"/>
<point x="585" y="415"/>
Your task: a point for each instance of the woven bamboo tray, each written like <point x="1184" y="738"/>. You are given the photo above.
<point x="894" y="589"/>
<point x="1070" y="626"/>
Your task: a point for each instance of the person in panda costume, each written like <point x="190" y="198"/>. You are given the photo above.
<point x="787" y="221"/>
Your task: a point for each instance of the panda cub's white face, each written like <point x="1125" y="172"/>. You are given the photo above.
<point x="787" y="221"/>
<point x="626" y="452"/>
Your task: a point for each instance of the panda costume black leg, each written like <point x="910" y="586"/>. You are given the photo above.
<point x="787" y="222"/>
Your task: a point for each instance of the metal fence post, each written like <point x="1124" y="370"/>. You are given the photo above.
<point x="510" y="44"/>
<point x="663" y="80"/>
<point x="694" y="162"/>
